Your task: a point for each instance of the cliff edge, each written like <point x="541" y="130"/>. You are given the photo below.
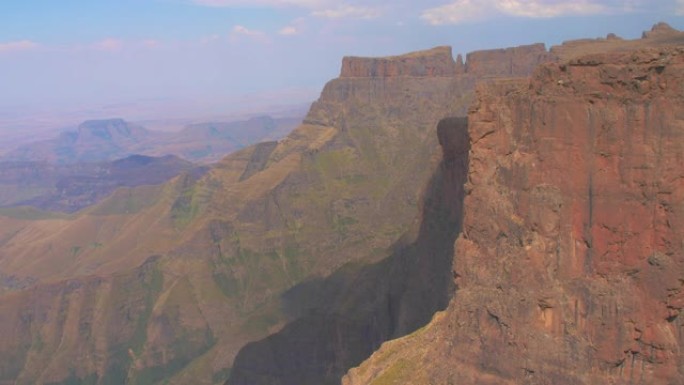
<point x="570" y="266"/>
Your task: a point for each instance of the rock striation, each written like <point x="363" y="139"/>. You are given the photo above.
<point x="570" y="266"/>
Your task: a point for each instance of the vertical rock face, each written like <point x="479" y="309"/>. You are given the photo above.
<point x="439" y="62"/>
<point x="434" y="62"/>
<point x="357" y="308"/>
<point x="570" y="266"/>
<point x="515" y="61"/>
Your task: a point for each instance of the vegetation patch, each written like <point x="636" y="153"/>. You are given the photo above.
<point x="90" y="379"/>
<point x="129" y="200"/>
<point x="396" y="373"/>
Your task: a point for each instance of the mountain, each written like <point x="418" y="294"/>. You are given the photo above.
<point x="93" y="141"/>
<point x="166" y="283"/>
<point x="71" y="187"/>
<point x="110" y="139"/>
<point x="569" y="264"/>
<point x="539" y="218"/>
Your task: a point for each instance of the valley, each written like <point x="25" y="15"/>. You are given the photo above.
<point x="511" y="217"/>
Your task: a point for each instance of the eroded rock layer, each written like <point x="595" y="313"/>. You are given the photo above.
<point x="570" y="266"/>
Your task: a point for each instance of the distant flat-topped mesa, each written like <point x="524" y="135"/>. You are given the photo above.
<point x="437" y="61"/>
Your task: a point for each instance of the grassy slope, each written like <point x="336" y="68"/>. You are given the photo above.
<point x="228" y="248"/>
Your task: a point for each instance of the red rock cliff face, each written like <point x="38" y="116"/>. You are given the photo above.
<point x="570" y="266"/>
<point x="411" y="111"/>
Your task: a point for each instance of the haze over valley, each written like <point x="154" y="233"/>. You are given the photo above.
<point x="360" y="192"/>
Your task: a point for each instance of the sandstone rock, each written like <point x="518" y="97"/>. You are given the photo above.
<point x="571" y="260"/>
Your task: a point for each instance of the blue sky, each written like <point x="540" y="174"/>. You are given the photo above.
<point x="68" y="53"/>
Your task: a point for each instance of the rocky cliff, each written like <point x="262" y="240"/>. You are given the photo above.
<point x="515" y="61"/>
<point x="343" y="188"/>
<point x="570" y="265"/>
<point x="439" y="62"/>
<point x="338" y="321"/>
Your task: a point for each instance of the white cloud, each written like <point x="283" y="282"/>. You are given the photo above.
<point x="109" y="45"/>
<point x="679" y="7"/>
<point x="330" y="9"/>
<point x="347" y="11"/>
<point x="210" y="39"/>
<point x="261" y="3"/>
<point x="461" y="11"/>
<point x="21" y="45"/>
<point x="242" y="30"/>
<point x="288" y="31"/>
<point x="239" y="31"/>
<point x="150" y="43"/>
<point x="294" y="28"/>
<point x="455" y="13"/>
<point x="546" y="9"/>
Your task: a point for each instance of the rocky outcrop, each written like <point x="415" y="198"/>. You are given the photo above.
<point x="511" y="62"/>
<point x="439" y="62"/>
<point x="354" y="311"/>
<point x="570" y="264"/>
<point x="435" y="62"/>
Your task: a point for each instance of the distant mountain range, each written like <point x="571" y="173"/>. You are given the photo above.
<point x="71" y="187"/>
<point x="516" y="217"/>
<point x="110" y="139"/>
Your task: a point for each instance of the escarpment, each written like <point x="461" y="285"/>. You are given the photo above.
<point x="340" y="320"/>
<point x="570" y="263"/>
<point x="435" y="62"/>
<point x="345" y="188"/>
<point x="554" y="214"/>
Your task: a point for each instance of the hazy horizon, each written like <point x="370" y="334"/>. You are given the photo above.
<point x="174" y="59"/>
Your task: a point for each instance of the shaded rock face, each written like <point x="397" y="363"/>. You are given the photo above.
<point x="570" y="266"/>
<point x="345" y="317"/>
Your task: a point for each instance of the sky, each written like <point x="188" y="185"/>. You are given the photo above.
<point x="187" y="54"/>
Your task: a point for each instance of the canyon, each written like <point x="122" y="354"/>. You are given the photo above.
<point x="512" y="218"/>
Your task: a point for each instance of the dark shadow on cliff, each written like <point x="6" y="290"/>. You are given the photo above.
<point x="342" y="319"/>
